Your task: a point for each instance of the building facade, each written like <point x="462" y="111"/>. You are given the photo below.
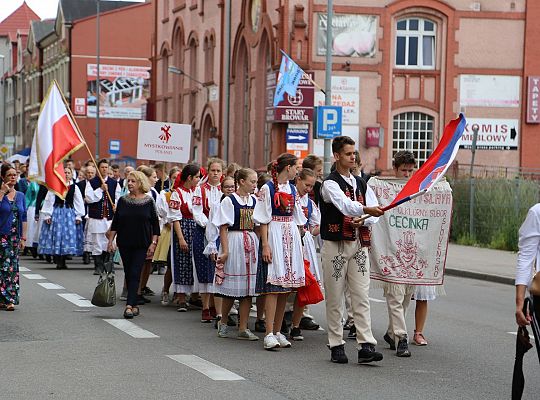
<point x="401" y="69"/>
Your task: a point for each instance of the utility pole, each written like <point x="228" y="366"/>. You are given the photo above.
<point x="226" y="81"/>
<point x="97" y="78"/>
<point x="328" y="85"/>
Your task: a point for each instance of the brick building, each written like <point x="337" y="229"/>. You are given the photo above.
<point x="402" y="69"/>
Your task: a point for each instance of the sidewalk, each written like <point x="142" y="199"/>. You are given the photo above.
<point x="481" y="263"/>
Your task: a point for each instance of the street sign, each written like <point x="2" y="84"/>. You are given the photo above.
<point x="328" y="122"/>
<point x="114" y="146"/>
<point x="4" y="150"/>
<point x="297" y="137"/>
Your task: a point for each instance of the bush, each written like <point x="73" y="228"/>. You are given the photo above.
<point x="500" y="206"/>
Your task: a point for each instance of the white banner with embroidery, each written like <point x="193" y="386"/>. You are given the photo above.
<point x="409" y="243"/>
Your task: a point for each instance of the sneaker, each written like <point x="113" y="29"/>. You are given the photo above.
<point x="206" y="317"/>
<point x="260" y="325"/>
<point x="162" y="270"/>
<point x="270" y="342"/>
<point x="403" y="347"/>
<point x="223" y="330"/>
<point x="352" y="333"/>
<point x="164" y="298"/>
<point x="147" y="291"/>
<point x="283" y="342"/>
<point x="231" y="321"/>
<point x="348" y="324"/>
<point x="182" y="307"/>
<point x="419" y="339"/>
<point x="338" y="355"/>
<point x="389" y="340"/>
<point x="247" y="335"/>
<point x="296" y="334"/>
<point x="308" y="324"/>
<point x="123" y="296"/>
<point x="368" y="354"/>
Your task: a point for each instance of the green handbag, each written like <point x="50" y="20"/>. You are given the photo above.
<point x="105" y="292"/>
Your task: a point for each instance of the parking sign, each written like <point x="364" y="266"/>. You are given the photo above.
<point x="328" y="122"/>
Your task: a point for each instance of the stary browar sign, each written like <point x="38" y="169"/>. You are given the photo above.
<point x="297" y="108"/>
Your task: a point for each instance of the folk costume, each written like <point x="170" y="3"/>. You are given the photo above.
<point x="237" y="277"/>
<point x="344" y="254"/>
<point x="279" y="208"/>
<point x="313" y="216"/>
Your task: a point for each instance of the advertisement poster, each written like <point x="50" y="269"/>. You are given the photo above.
<point x="489" y="91"/>
<point x="124" y="91"/>
<point x="346" y="94"/>
<point x="164" y="141"/>
<point x="354" y="35"/>
<point x="493" y="134"/>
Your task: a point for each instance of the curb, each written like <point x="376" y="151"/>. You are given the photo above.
<point x="480" y="276"/>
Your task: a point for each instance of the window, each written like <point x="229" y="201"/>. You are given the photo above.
<point x="413" y="131"/>
<point x="415" y="43"/>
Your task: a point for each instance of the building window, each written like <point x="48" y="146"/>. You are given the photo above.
<point x="415" y="43"/>
<point x="413" y="131"/>
<point x="209" y="44"/>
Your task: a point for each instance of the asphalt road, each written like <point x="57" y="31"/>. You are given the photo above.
<point x="51" y="348"/>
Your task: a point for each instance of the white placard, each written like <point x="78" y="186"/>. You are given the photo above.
<point x="345" y="93"/>
<point x="164" y="141"/>
<point x="489" y="91"/>
<point x="493" y="134"/>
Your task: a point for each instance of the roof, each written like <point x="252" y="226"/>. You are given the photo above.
<point x="18" y="19"/>
<point x="42" y="29"/>
<point x="73" y="10"/>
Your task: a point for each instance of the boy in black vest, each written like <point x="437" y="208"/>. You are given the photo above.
<point x="344" y="198"/>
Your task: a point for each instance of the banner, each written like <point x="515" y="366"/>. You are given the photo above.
<point x="123" y="91"/>
<point x="164" y="141"/>
<point x="354" y="35"/>
<point x="410" y="241"/>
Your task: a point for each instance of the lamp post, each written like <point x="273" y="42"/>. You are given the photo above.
<point x="328" y="83"/>
<point x="175" y="70"/>
<point x="97" y="77"/>
<point x="3" y="58"/>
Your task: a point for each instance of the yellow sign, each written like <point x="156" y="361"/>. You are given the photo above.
<point x="4" y="149"/>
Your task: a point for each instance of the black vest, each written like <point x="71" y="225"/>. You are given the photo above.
<point x="95" y="210"/>
<point x="68" y="202"/>
<point x="334" y="225"/>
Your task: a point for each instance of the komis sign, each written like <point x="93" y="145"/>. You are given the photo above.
<point x="493" y="134"/>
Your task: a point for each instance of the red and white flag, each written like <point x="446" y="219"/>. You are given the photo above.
<point x="55" y="139"/>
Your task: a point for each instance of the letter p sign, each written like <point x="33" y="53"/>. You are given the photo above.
<point x="328" y="122"/>
<point x="330" y="118"/>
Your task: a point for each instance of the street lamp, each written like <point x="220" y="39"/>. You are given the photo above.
<point x="97" y="78"/>
<point x="175" y="70"/>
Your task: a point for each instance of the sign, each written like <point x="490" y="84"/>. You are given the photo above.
<point x="373" y="136"/>
<point x="409" y="243"/>
<point x="79" y="106"/>
<point x="328" y="122"/>
<point x="300" y="154"/>
<point x="213" y="93"/>
<point x="164" y="141"/>
<point x="354" y="35"/>
<point x="114" y="146"/>
<point x="489" y="91"/>
<point x="124" y="91"/>
<point x="297" y="108"/>
<point x="297" y="137"/>
<point x="533" y="97"/>
<point x="493" y="134"/>
<point x="4" y="150"/>
<point x="346" y="94"/>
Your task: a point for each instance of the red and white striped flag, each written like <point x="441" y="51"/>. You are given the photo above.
<point x="55" y="139"/>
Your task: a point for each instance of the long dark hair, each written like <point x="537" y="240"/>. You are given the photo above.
<point x="187" y="171"/>
<point x="282" y="162"/>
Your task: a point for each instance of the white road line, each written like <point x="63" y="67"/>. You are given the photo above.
<point x="512" y="333"/>
<point x="376" y="300"/>
<point x="76" y="299"/>
<point x="131" y="329"/>
<point x="213" y="371"/>
<point x="50" y="286"/>
<point x="24" y="269"/>
<point x="33" y="276"/>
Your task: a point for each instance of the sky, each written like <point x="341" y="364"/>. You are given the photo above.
<point x="43" y="8"/>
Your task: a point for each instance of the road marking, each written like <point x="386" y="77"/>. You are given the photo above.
<point x="24" y="269"/>
<point x="33" y="276"/>
<point x="376" y="300"/>
<point x="131" y="329"/>
<point x="512" y="333"/>
<point x="50" y="286"/>
<point x="213" y="371"/>
<point x="76" y="299"/>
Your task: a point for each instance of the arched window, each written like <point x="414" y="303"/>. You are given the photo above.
<point x="413" y="131"/>
<point x="415" y="43"/>
<point x="209" y="44"/>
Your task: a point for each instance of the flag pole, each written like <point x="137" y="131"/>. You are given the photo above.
<point x="390" y="206"/>
<point x="84" y="141"/>
<point x="305" y="74"/>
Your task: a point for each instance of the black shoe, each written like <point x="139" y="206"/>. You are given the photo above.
<point x="352" y="333"/>
<point x="216" y="321"/>
<point x="389" y="340"/>
<point x="48" y="258"/>
<point x="195" y="303"/>
<point x="348" y="324"/>
<point x="403" y="348"/>
<point x="41" y="257"/>
<point x="368" y="354"/>
<point x="260" y="325"/>
<point x="25" y="251"/>
<point x="296" y="334"/>
<point x="338" y="355"/>
<point x="147" y="291"/>
<point x="284" y="328"/>
<point x="308" y="324"/>
<point x="33" y="250"/>
<point x="141" y="300"/>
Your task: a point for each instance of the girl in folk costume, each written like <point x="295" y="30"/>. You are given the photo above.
<point x="206" y="197"/>
<point x="162" y="253"/>
<point x="181" y="216"/>
<point x="239" y="249"/>
<point x="280" y="215"/>
<point x="62" y="233"/>
<point x="304" y="185"/>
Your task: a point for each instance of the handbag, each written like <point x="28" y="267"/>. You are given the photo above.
<point x="310" y="293"/>
<point x="105" y="292"/>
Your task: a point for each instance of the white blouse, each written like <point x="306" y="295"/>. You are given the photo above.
<point x="78" y="204"/>
<point x="529" y="247"/>
<point x="178" y="197"/>
<point x="213" y="196"/>
<point x="315" y="219"/>
<point x="263" y="208"/>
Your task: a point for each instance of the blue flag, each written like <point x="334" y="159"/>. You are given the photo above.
<point x="288" y="78"/>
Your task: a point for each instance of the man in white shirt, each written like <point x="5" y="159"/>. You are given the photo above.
<point x="344" y="198"/>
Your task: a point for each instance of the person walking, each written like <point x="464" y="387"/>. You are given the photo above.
<point x="135" y="226"/>
<point x="12" y="237"/>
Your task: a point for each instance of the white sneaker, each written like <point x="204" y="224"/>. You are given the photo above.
<point x="223" y="330"/>
<point x="282" y="340"/>
<point x="247" y="335"/>
<point x="164" y="298"/>
<point x="270" y="342"/>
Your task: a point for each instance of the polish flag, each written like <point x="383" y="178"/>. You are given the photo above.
<point x="55" y="139"/>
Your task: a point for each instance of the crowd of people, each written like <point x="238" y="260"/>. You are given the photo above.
<point x="220" y="236"/>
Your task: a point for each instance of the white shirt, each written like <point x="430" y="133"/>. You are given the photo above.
<point x="529" y="247"/>
<point x="263" y="208"/>
<point x="332" y="193"/>
<point x="78" y="204"/>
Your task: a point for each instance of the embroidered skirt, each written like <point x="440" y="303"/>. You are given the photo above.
<point x="262" y="286"/>
<point x="182" y="262"/>
<point x="204" y="266"/>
